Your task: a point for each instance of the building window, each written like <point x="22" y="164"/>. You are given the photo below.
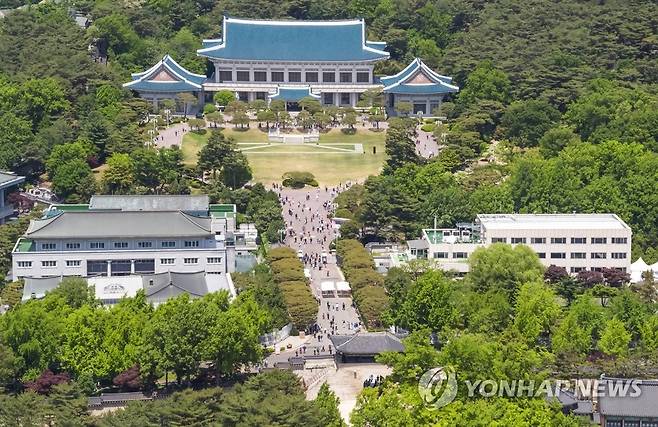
<point x="166" y="261"/>
<point x="440" y="254"/>
<point x="620" y="240"/>
<point x="168" y="244"/>
<point x="558" y="240"/>
<point x="144" y="245"/>
<point x="599" y="240"/>
<point x="277" y="76"/>
<point x="329" y="77"/>
<point x="214" y="260"/>
<point x="190" y="260"/>
<point x="598" y="255"/>
<point x="460" y="255"/>
<point x="225" y="76"/>
<point x="49" y="263"/>
<point x="261" y="95"/>
<point x="191" y="243"/>
<point x="48" y="246"/>
<point x="260" y="76"/>
<point x="345" y="99"/>
<point x="242" y="76"/>
<point x="363" y="77"/>
<point x="578" y="255"/>
<point x="346" y="77"/>
<point x="120" y="245"/>
<point x="558" y="255"/>
<point x="311" y="76"/>
<point x="618" y="255"/>
<point x="499" y="240"/>
<point x="294" y="76"/>
<point x="24" y="264"/>
<point x="74" y="245"/>
<point x="73" y="263"/>
<point x="596" y="268"/>
<point x="578" y="240"/>
<point x="538" y="240"/>
<point x="328" y="98"/>
<point x="576" y="269"/>
<point x="243" y="96"/>
<point x="517" y="240"/>
<point x="541" y="255"/>
<point x="96" y="245"/>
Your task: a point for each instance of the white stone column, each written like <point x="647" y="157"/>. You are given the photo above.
<point x="216" y="72"/>
<point x="132" y="266"/>
<point x="109" y="268"/>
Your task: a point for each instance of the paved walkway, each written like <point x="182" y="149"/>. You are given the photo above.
<point x="171" y="136"/>
<point x="426" y="145"/>
<point x="309" y="229"/>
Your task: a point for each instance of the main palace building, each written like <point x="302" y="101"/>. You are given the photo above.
<point x="289" y="60"/>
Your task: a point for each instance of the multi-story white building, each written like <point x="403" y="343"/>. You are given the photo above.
<point x="124" y="235"/>
<point x="576" y="242"/>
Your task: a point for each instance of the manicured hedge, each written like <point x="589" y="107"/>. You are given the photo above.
<point x="367" y="285"/>
<point x="288" y="273"/>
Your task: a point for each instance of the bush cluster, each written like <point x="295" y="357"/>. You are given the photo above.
<point x="367" y="285"/>
<point x="299" y="179"/>
<point x="288" y="273"/>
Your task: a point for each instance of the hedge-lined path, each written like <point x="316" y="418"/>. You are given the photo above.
<point x="306" y="213"/>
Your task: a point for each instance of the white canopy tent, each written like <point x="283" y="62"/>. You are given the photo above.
<point x="328" y="289"/>
<point x="343" y="289"/>
<point x="639" y="267"/>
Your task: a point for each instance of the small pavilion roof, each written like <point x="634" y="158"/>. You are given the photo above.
<point x="166" y="76"/>
<point x="293" y="93"/>
<point x="7" y="179"/>
<point x="262" y="40"/>
<point x="418" y="78"/>
<point x="366" y="343"/>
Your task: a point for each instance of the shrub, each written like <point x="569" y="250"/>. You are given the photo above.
<point x="428" y="127"/>
<point x="343" y="213"/>
<point x="362" y="277"/>
<point x="209" y="108"/>
<point x="286" y="264"/>
<point x="280" y="253"/>
<point x="299" y="179"/>
<point x="288" y="273"/>
<point x="372" y="302"/>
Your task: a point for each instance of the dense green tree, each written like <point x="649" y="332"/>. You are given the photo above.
<point x="504" y="268"/>
<point x="536" y="312"/>
<point x="327" y="402"/>
<point x="485" y="82"/>
<point x="223" y="97"/>
<point x="615" y="339"/>
<point x="401" y="143"/>
<point x="74" y="181"/>
<point x="119" y="178"/>
<point x="525" y="122"/>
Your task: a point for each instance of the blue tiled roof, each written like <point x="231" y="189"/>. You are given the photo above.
<point x="402" y="81"/>
<point x="184" y="81"/>
<point x="294" y="41"/>
<point x="206" y="43"/>
<point x="293" y="94"/>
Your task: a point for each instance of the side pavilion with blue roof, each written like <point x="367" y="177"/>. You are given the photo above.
<point x="418" y="85"/>
<point x="329" y="59"/>
<point x="165" y="80"/>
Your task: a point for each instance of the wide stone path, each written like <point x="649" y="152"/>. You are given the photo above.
<point x="309" y="229"/>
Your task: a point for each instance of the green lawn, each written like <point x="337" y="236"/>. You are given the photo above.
<point x="328" y="166"/>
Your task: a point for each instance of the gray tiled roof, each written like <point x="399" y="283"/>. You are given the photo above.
<point x="162" y="286"/>
<point x="112" y="224"/>
<point x="366" y="343"/>
<point x="644" y="405"/>
<point x="151" y="203"/>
